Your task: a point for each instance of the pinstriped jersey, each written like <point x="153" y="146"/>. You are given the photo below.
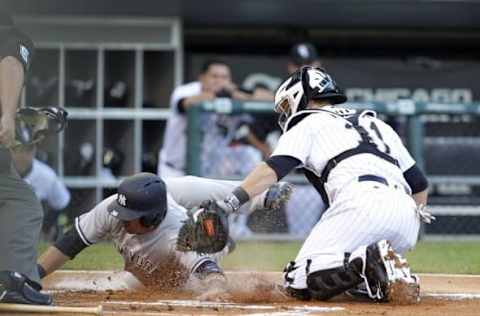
<point x="325" y="133"/>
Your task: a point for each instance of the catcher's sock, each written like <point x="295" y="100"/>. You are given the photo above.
<point x="16" y="288"/>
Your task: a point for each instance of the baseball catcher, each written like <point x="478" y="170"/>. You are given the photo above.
<point x="374" y="192"/>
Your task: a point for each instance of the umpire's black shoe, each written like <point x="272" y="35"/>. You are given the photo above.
<point x="17" y="289"/>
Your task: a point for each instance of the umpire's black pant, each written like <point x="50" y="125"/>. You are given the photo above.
<point x="20" y="221"/>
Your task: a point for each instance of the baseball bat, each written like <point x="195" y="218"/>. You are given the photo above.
<point x="21" y="308"/>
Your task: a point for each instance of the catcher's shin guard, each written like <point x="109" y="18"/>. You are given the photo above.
<point x="386" y="274"/>
<point x="322" y="284"/>
<point x="325" y="284"/>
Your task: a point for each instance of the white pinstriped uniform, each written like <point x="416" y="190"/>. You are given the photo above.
<point x="360" y="213"/>
<point x="146" y="252"/>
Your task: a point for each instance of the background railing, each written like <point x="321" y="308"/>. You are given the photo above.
<point x="444" y="139"/>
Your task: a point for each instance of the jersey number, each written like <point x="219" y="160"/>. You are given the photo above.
<point x="369" y="133"/>
<point x="379" y="138"/>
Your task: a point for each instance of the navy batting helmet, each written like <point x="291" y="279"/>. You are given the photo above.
<point x="142" y="196"/>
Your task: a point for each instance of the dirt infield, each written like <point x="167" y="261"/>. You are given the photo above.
<point x="251" y="294"/>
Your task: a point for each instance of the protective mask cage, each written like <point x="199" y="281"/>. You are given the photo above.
<point x="285" y="111"/>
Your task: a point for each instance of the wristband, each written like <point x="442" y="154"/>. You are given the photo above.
<point x="41" y="271"/>
<point x="241" y="195"/>
<point x="237" y="198"/>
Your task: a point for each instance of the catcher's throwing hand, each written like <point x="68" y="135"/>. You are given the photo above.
<point x="205" y="230"/>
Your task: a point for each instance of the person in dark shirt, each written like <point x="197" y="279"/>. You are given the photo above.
<point x="20" y="211"/>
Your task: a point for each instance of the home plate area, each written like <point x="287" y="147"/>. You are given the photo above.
<point x="251" y="294"/>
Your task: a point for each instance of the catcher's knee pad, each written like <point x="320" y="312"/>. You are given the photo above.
<point x="325" y="284"/>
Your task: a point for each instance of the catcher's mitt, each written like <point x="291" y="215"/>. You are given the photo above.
<point x="32" y="125"/>
<point x="205" y="230"/>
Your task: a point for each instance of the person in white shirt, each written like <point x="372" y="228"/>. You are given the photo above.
<point x="375" y="193"/>
<point x="46" y="185"/>
<point x="214" y="81"/>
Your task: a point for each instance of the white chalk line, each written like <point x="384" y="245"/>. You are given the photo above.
<point x="444" y="275"/>
<point x="454" y="296"/>
<point x="220" y="305"/>
<point x="192" y="303"/>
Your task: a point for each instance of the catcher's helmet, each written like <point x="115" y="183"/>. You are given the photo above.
<point x="142" y="196"/>
<point x="307" y="83"/>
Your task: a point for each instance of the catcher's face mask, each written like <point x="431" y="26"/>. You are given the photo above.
<point x="32" y="125"/>
<point x="287" y="99"/>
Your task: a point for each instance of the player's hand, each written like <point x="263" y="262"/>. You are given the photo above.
<point x="204" y="96"/>
<point x="424" y="215"/>
<point x="7" y="130"/>
<point x="207" y="96"/>
<point x="226" y="206"/>
<point x="214" y="287"/>
<point x="230" y="87"/>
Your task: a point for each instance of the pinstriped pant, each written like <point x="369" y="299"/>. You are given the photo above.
<point x="362" y="214"/>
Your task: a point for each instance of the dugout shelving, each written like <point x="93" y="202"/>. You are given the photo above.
<point x="114" y="76"/>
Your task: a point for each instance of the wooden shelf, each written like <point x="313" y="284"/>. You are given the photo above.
<point x="111" y="75"/>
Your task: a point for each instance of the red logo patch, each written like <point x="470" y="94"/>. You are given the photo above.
<point x="209" y="228"/>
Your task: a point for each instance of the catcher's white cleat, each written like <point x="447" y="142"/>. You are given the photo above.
<point x="387" y="275"/>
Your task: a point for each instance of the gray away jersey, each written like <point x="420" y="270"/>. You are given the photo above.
<point x="144" y="252"/>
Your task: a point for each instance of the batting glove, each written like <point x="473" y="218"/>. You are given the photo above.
<point x="424" y="215"/>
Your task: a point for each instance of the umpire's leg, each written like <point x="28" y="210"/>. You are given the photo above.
<point x="20" y="221"/>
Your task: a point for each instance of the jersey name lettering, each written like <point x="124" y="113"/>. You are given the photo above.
<point x="139" y="261"/>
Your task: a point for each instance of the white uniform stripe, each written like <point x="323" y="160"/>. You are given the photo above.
<point x="80" y="232"/>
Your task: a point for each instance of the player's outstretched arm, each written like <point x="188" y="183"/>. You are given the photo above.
<point x="52" y="259"/>
<point x="191" y="191"/>
<point x="63" y="250"/>
<point x="259" y="180"/>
